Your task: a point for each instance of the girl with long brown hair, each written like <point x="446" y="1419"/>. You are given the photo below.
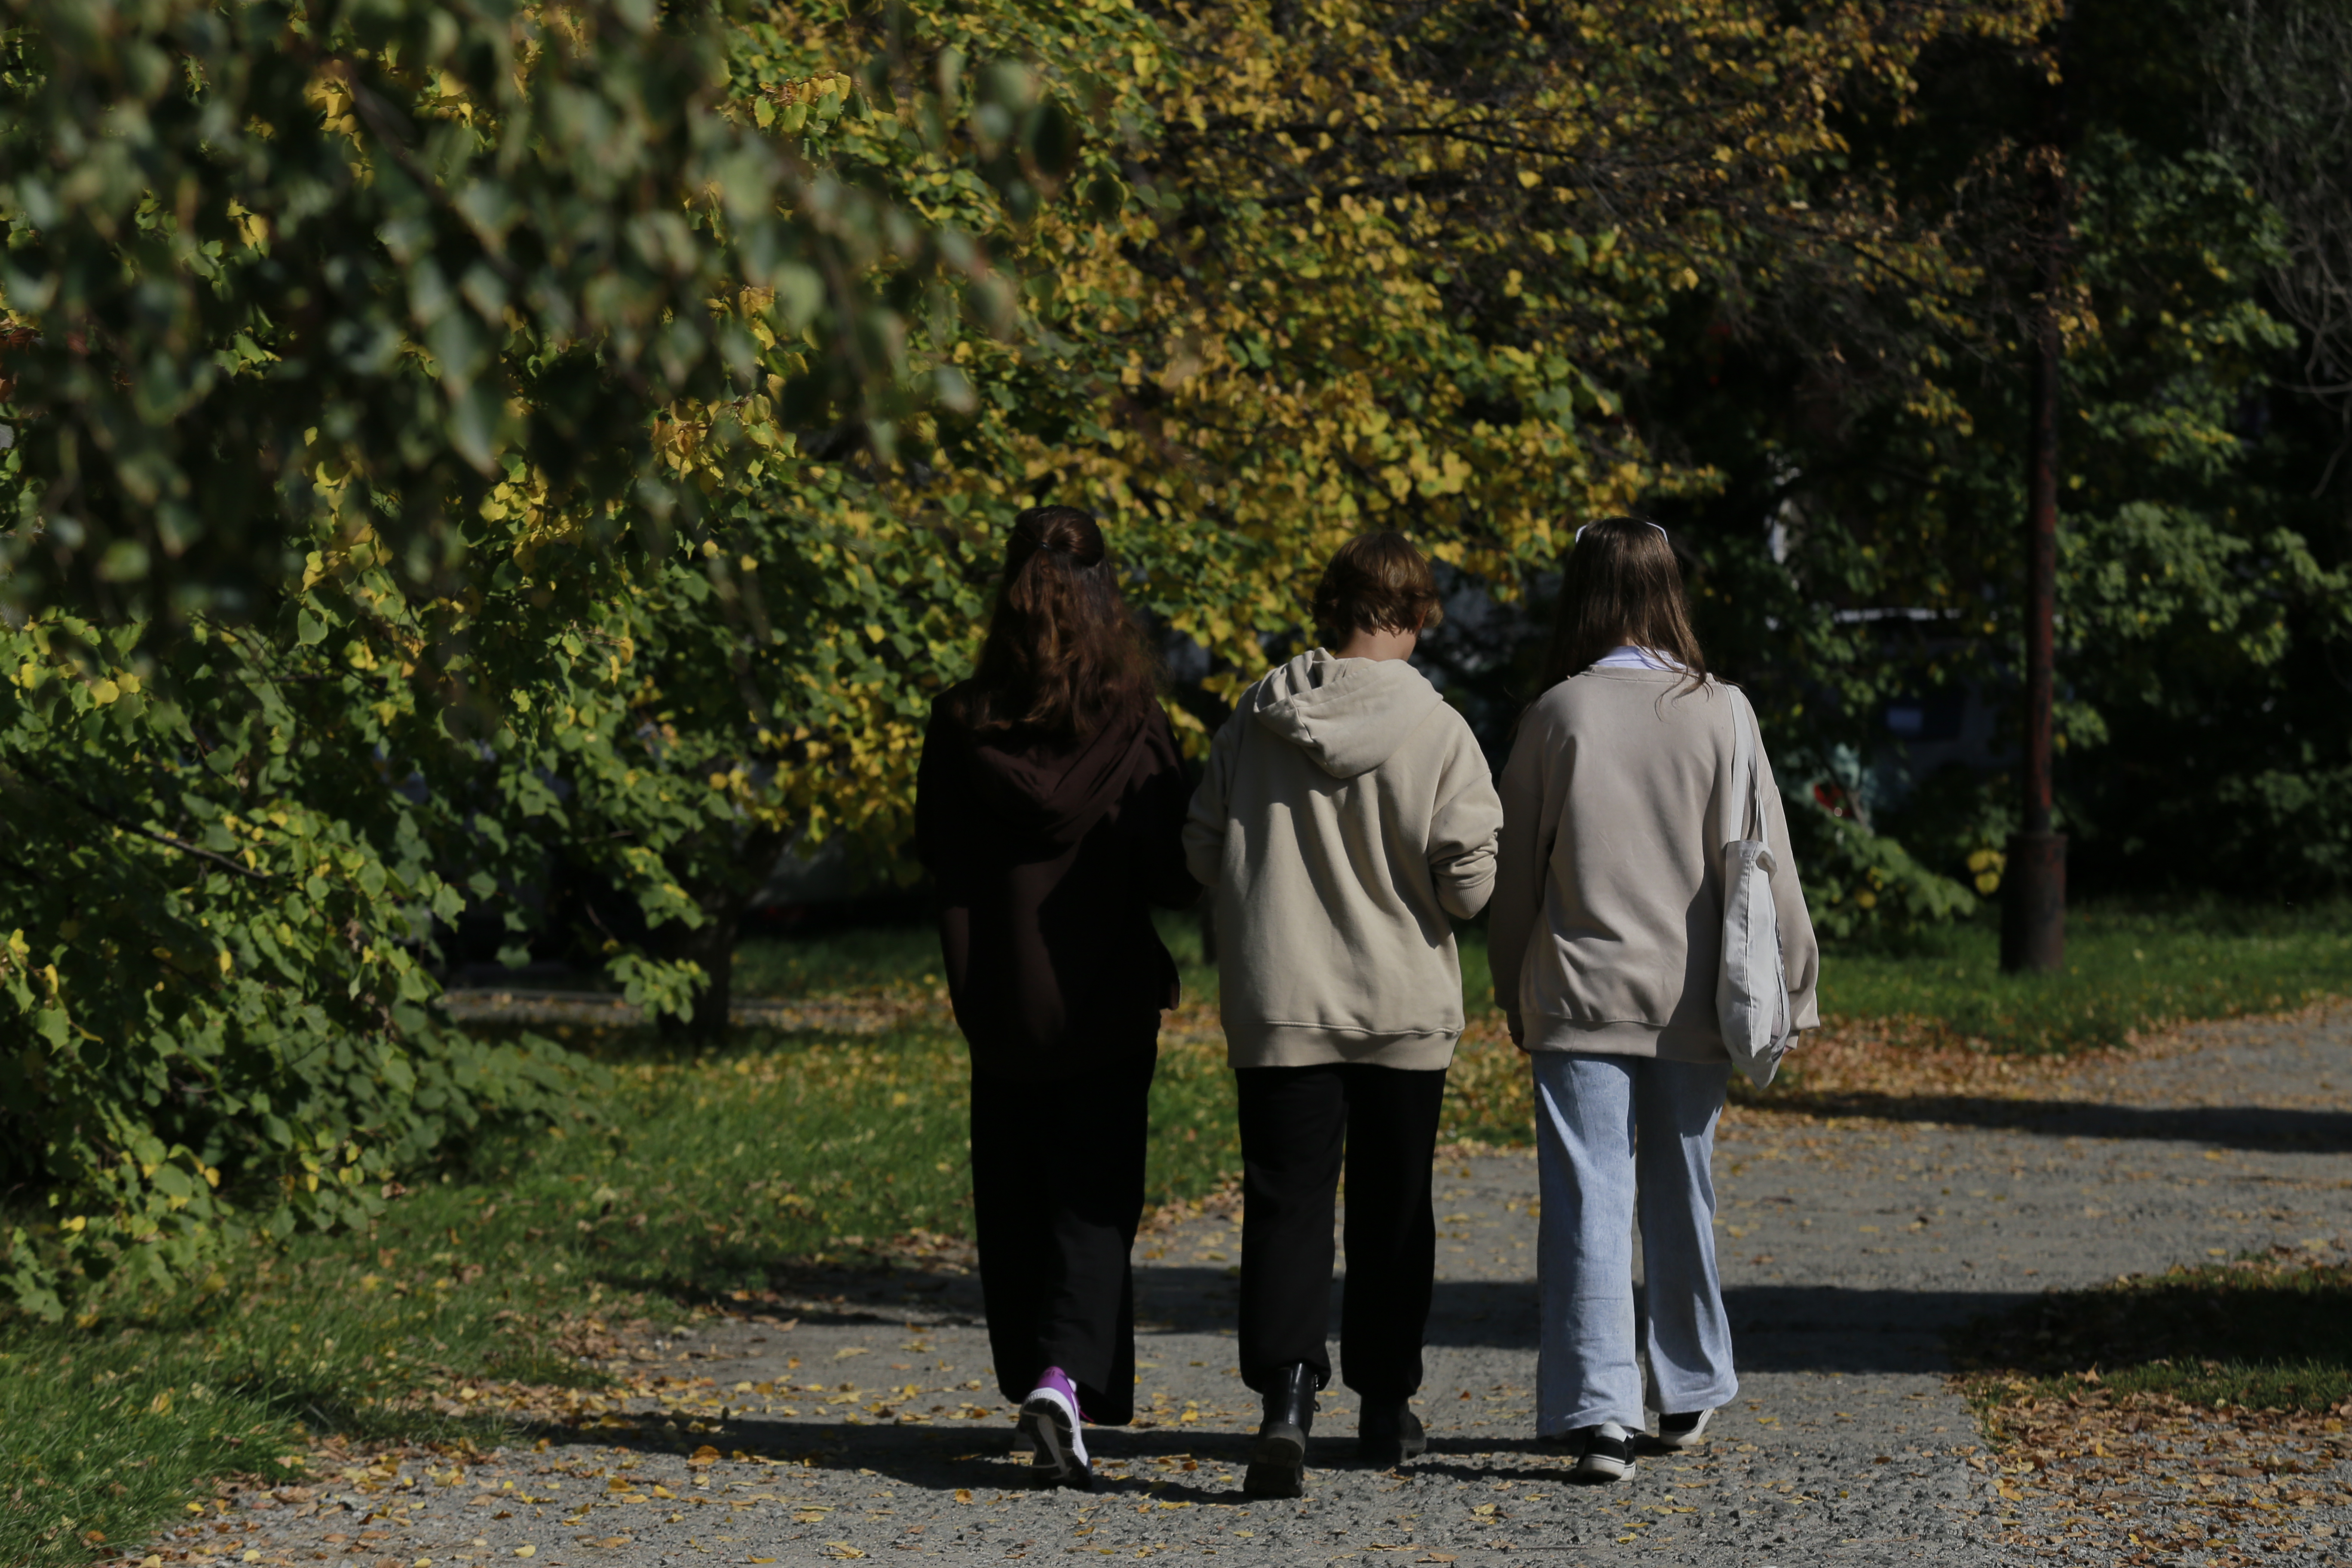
<point x="1048" y="810"/>
<point x="1627" y="778"/>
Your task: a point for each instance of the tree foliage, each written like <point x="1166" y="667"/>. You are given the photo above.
<point x="373" y="367"/>
<point x="398" y="244"/>
<point x="2199" y="593"/>
<point x="221" y="1016"/>
<point x="1325" y="268"/>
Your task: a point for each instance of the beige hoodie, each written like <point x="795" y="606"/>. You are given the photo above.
<point x="1607" y="925"/>
<point x="1346" y="813"/>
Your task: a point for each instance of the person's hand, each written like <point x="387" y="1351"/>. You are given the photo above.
<point x="1518" y="1034"/>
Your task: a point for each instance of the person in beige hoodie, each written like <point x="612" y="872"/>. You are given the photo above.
<point x="1347" y="817"/>
<point x="1623" y="787"/>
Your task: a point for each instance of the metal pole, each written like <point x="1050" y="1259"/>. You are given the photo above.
<point x="2033" y="919"/>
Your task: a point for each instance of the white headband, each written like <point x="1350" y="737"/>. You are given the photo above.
<point x="1662" y="533"/>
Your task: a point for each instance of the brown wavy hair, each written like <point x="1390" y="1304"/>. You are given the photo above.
<point x="1063" y="652"/>
<point x="1375" y="583"/>
<point x="1621" y="584"/>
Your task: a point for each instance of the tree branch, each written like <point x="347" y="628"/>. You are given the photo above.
<point x="165" y="839"/>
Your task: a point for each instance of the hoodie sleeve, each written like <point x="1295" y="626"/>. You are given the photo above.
<point x="1205" y="826"/>
<point x="1530" y="824"/>
<point x="1461" y="829"/>
<point x="1158" y="801"/>
<point x="1800" y="952"/>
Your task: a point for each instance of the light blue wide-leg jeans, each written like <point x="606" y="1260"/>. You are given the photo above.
<point x="1609" y="1128"/>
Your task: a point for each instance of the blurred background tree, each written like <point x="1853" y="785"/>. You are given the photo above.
<point x="369" y="371"/>
<point x="2202" y="593"/>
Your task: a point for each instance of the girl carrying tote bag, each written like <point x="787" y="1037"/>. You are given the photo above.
<point x="1751" y="986"/>
<point x="1646" y="932"/>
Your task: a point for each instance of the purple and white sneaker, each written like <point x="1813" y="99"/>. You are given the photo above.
<point x="1050" y="1425"/>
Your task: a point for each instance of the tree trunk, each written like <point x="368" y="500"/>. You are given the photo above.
<point x="724" y="895"/>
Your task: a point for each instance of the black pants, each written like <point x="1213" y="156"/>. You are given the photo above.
<point x="1295" y="1123"/>
<point x="1057" y="1189"/>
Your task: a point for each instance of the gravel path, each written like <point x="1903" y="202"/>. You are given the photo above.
<point x="860" y="1419"/>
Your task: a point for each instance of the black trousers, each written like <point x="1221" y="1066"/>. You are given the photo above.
<point x="1057" y="1189"/>
<point x="1295" y="1122"/>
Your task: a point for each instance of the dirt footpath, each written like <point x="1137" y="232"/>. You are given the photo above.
<point x="862" y="1421"/>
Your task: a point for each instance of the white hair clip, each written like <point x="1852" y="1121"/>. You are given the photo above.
<point x="1662" y="533"/>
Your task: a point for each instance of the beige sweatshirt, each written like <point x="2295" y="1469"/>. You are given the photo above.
<point x="1607" y="922"/>
<point x="1346" y="813"/>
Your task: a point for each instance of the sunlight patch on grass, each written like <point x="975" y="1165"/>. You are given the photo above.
<point x="2128" y="971"/>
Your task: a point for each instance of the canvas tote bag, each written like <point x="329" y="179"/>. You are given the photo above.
<point x="1752" y="987"/>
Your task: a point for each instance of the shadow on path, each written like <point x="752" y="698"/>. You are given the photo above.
<point x="2233" y="1127"/>
<point x="944" y="1458"/>
<point x="1781" y="1328"/>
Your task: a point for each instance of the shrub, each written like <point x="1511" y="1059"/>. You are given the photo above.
<point x="1859" y="883"/>
<point x="221" y="1018"/>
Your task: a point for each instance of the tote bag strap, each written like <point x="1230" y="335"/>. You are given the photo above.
<point x="1744" y="760"/>
<point x="1753" y="731"/>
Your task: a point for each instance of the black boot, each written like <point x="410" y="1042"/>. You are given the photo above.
<point x="1389" y="1433"/>
<point x="1278" y="1460"/>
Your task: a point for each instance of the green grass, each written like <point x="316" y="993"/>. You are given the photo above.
<point x="110" y="1428"/>
<point x="2127" y="970"/>
<point x="907" y="957"/>
<point x="2259" y="1334"/>
<point x="885" y="957"/>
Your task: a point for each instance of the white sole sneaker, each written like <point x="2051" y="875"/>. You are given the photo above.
<point x="1675" y="1442"/>
<point x="1058" y="1452"/>
<point x="1608" y="1455"/>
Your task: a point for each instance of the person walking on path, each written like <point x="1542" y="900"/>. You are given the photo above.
<point x="1345" y="815"/>
<point x="1622" y="790"/>
<point x="1049" y="810"/>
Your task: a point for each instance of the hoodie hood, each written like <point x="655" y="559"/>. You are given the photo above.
<point x="1050" y="791"/>
<point x="1349" y="714"/>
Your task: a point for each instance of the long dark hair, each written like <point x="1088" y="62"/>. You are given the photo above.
<point x="1063" y="652"/>
<point x="1621" y="584"/>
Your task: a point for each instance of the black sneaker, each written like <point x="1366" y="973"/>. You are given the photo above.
<point x="1387" y="1433"/>
<point x="1678" y="1432"/>
<point x="1608" y="1455"/>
